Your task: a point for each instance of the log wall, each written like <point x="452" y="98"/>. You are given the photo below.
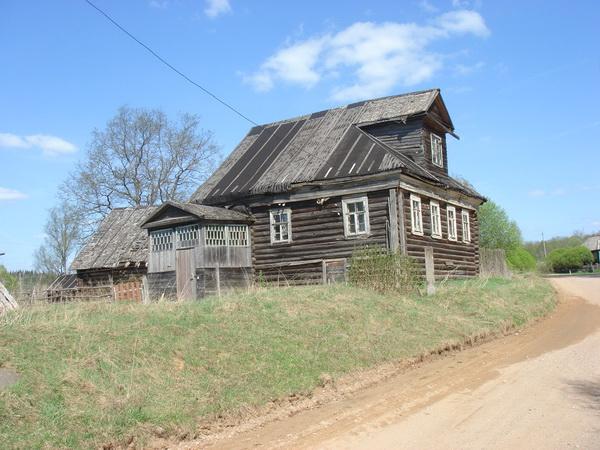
<point x="317" y="234"/>
<point x="453" y="259"/>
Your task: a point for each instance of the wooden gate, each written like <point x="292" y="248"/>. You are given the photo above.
<point x="186" y="274"/>
<point x="128" y="291"/>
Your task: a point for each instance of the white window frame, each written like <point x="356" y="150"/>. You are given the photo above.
<point x="273" y="224"/>
<point x="347" y="214"/>
<point x="466" y="225"/>
<point x="452" y="233"/>
<point x="437" y="150"/>
<point x="435" y="219"/>
<point x="417" y="228"/>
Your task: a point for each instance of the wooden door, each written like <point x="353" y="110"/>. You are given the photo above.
<point x="128" y="291"/>
<point x="186" y="274"/>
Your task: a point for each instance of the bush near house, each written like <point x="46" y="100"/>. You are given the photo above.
<point x="95" y="373"/>
<point x="521" y="260"/>
<point x="572" y="259"/>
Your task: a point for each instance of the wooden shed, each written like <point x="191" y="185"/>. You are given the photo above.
<point x="197" y="250"/>
<point x="114" y="260"/>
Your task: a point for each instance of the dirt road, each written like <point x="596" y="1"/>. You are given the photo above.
<point x="536" y="389"/>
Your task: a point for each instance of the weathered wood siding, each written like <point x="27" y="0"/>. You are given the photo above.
<point x="317" y="234"/>
<point x="162" y="285"/>
<point x="413" y="139"/>
<point x="405" y="138"/>
<point x="454" y="259"/>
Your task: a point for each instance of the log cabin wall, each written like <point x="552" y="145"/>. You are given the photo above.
<point x="405" y="138"/>
<point x="317" y="234"/>
<point x="453" y="259"/>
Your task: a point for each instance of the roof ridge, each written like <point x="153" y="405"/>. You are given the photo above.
<point x="365" y="101"/>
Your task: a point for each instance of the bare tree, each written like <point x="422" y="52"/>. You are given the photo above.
<point x="63" y="235"/>
<point x="140" y="158"/>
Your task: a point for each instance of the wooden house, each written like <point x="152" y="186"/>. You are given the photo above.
<point x="296" y="198"/>
<point x="322" y="185"/>
<point x="593" y="244"/>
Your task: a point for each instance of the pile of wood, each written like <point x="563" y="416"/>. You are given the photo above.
<point x="6" y="300"/>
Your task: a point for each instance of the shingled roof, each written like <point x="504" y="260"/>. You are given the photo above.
<point x="201" y="212"/>
<point x="119" y="241"/>
<point x="320" y="146"/>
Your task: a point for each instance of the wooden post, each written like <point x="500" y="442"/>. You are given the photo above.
<point x="145" y="290"/>
<point x="401" y="223"/>
<point x="429" y="271"/>
<point x="393" y="220"/>
<point x="218" y="279"/>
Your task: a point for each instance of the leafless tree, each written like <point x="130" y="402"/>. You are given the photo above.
<point x="63" y="236"/>
<point x="140" y="158"/>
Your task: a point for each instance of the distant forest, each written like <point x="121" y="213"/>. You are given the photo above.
<point x="536" y="248"/>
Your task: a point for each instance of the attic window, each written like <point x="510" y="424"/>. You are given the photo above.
<point x="437" y="150"/>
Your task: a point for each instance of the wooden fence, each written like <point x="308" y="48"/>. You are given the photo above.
<point x="493" y="263"/>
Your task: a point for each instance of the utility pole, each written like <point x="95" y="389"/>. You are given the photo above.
<point x="544" y="245"/>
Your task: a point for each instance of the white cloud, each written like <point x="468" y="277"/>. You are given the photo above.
<point x="159" y="4"/>
<point x="215" y="8"/>
<point x="11" y="194"/>
<point x="464" y="69"/>
<point x="428" y="6"/>
<point x="537" y="193"/>
<point x="50" y="145"/>
<point x="375" y="56"/>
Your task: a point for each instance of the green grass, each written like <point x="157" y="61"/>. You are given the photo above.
<point x="96" y="373"/>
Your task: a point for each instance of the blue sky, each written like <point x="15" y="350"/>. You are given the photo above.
<point x="520" y="80"/>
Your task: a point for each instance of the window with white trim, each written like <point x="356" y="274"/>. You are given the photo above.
<point x="356" y="216"/>
<point x="162" y="240"/>
<point x="436" y="219"/>
<point x="416" y="216"/>
<point x="466" y="226"/>
<point x="437" y="150"/>
<point x="281" y="225"/>
<point x="451" y="215"/>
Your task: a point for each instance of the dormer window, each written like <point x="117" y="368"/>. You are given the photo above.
<point x="437" y="150"/>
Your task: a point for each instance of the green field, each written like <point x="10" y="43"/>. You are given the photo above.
<point x="97" y="373"/>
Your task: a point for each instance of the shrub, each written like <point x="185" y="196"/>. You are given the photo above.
<point x="570" y="259"/>
<point x="521" y="260"/>
<point x="375" y="268"/>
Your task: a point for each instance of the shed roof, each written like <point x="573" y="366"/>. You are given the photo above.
<point x="320" y="146"/>
<point x="592" y="243"/>
<point x="201" y="212"/>
<point x="118" y="242"/>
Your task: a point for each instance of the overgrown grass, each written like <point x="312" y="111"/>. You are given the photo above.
<point x="94" y="373"/>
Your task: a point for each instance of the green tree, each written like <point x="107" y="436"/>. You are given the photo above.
<point x="9" y="281"/>
<point x="571" y="259"/>
<point x="521" y="260"/>
<point x="496" y="229"/>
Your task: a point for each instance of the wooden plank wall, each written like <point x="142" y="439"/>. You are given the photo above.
<point x="454" y="259"/>
<point x="317" y="234"/>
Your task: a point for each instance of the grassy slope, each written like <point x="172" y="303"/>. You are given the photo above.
<point x="94" y="373"/>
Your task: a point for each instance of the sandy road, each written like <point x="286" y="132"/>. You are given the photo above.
<point x="536" y="389"/>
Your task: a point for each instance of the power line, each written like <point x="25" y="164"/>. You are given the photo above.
<point x="166" y="63"/>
